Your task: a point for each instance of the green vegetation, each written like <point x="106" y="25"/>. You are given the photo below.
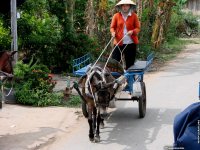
<point x="33" y="86"/>
<point x="172" y="48"/>
<point x="5" y="38"/>
<point x="74" y="101"/>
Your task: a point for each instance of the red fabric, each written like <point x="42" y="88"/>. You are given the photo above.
<point x="117" y="26"/>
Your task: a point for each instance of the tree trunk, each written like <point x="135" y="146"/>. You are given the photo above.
<point x="162" y="22"/>
<point x="70" y="5"/>
<point x="103" y="22"/>
<point x="90" y="18"/>
<point x="139" y="8"/>
<point x="146" y="7"/>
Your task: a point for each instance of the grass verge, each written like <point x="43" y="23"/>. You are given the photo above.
<point x="74" y="101"/>
<point x="170" y="49"/>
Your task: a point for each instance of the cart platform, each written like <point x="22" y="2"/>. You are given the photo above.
<point x="141" y="66"/>
<point x="81" y="65"/>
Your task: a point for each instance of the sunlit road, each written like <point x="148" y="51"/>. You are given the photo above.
<point x="168" y="92"/>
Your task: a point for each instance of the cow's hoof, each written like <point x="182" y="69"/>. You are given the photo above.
<point x="97" y="139"/>
<point x="91" y="139"/>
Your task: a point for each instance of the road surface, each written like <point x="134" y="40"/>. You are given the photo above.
<point x="169" y="91"/>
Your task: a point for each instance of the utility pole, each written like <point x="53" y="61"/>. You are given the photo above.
<point x="14" y="45"/>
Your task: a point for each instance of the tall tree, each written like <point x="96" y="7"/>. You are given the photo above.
<point x="139" y="8"/>
<point x="90" y="18"/>
<point x="103" y="21"/>
<point x="146" y="12"/>
<point x="70" y="5"/>
<point x="162" y="22"/>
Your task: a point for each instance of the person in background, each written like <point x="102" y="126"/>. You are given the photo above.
<point x="125" y="23"/>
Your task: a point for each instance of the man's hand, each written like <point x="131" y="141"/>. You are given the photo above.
<point x="113" y="34"/>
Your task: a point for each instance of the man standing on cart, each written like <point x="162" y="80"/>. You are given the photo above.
<point x="125" y="27"/>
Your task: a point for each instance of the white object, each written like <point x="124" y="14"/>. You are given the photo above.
<point x="18" y="15"/>
<point x="122" y="2"/>
<point x="68" y="81"/>
<point x="112" y="103"/>
<point x="137" y="90"/>
<point x="121" y="82"/>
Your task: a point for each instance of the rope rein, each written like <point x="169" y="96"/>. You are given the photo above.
<point x="91" y="72"/>
<point x="123" y="64"/>
<point x="113" y="51"/>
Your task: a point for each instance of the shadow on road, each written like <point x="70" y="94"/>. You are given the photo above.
<point x="33" y="140"/>
<point x="131" y="132"/>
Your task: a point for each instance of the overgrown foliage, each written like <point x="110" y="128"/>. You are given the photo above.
<point x="46" y="31"/>
<point x="57" y="31"/>
<point x="33" y="86"/>
<point x="74" y="101"/>
<point x="39" y="32"/>
<point x="4" y="36"/>
<point x="72" y="43"/>
<point x="173" y="24"/>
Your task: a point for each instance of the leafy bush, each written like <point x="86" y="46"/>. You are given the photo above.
<point x="183" y="24"/>
<point x="45" y="29"/>
<point x="191" y="20"/>
<point x="74" y="101"/>
<point x="39" y="36"/>
<point x="33" y="86"/>
<point x="4" y="37"/>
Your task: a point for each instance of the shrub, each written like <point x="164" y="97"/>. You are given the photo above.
<point x="184" y="24"/>
<point x="4" y="37"/>
<point x="33" y="86"/>
<point x="74" y="101"/>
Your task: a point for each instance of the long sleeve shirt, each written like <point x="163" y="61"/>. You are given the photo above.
<point x="117" y="26"/>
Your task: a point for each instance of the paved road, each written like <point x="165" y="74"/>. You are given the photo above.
<point x="168" y="92"/>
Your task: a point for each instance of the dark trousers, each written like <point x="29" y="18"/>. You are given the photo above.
<point x="129" y="53"/>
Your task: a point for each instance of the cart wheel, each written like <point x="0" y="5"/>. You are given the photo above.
<point x="84" y="109"/>
<point x="142" y="101"/>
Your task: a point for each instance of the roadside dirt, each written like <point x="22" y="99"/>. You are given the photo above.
<point x="31" y="128"/>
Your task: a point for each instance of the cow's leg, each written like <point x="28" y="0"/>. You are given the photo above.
<point x="101" y="122"/>
<point x="97" y="137"/>
<point x="94" y="118"/>
<point x="90" y="121"/>
<point x="102" y="116"/>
